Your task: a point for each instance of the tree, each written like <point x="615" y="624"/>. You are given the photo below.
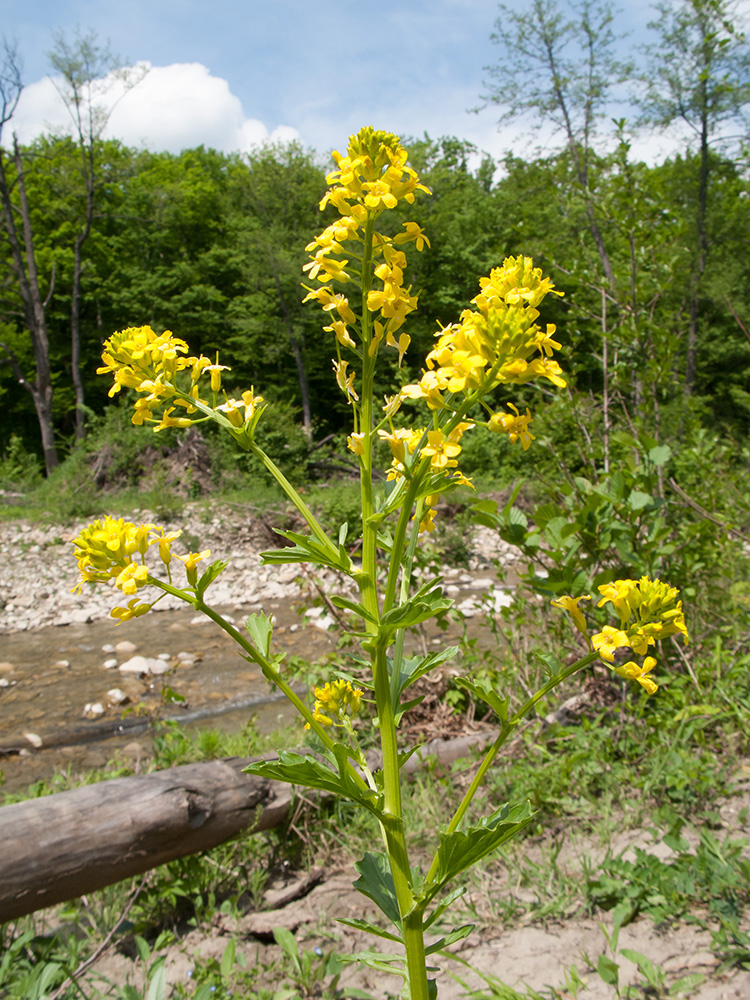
<point x="699" y="74"/>
<point x="18" y="237"/>
<point x="561" y="69"/>
<point x="89" y="73"/>
<point x="277" y="196"/>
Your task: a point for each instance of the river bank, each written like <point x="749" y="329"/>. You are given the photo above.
<point x="77" y="688"/>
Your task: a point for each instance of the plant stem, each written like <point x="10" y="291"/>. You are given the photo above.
<point x="505" y="730"/>
<point x="392" y="822"/>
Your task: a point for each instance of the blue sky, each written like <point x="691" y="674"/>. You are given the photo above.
<point x="233" y="73"/>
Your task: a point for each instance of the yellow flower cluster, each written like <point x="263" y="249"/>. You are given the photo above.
<point x="497" y="343"/>
<point x="648" y="610"/>
<point x="371" y="178"/>
<point x="441" y="449"/>
<point x="339" y="699"/>
<point x="115" y="549"/>
<point x="150" y="363"/>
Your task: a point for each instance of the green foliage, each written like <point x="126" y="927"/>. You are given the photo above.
<point x="19" y="468"/>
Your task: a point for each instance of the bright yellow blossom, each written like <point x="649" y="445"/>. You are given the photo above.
<point x="637" y="672"/>
<point x="515" y="426"/>
<point x="339" y="699"/>
<point x="570" y="605"/>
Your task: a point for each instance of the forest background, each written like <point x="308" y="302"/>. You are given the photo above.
<point x="653" y="259"/>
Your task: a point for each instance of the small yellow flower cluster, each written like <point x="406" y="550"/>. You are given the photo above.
<point x="442" y="449"/>
<point x="648" y="610"/>
<point x="496" y="343"/>
<point x="339" y="699"/>
<point x="150" y="363"/>
<point x="371" y="178"/>
<point x="115" y="549"/>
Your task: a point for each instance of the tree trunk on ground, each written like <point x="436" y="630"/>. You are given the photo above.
<point x="62" y="846"/>
<point x="58" y="847"/>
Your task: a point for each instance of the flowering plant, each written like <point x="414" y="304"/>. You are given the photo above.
<point x="356" y="274"/>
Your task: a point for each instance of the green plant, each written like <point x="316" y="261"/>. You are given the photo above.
<point x="496" y="344"/>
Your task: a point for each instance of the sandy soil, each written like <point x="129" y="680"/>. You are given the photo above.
<point x="533" y="954"/>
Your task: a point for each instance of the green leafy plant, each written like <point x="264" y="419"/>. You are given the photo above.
<point x="357" y="275"/>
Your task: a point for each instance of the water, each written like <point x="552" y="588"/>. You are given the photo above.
<point x="53" y="673"/>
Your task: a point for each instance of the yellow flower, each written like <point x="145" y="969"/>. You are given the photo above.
<point x="133" y="576"/>
<point x="191" y="560"/>
<point x="345" y="381"/>
<point x="133" y="610"/>
<point x="516" y="427"/>
<point x="653" y="605"/>
<point x="570" y="605"/>
<point x="636" y="672"/>
<point x="339" y="699"/>
<point x="608" y="640"/>
<point x="356" y="443"/>
<point x="442" y="451"/>
<point x="164" y="541"/>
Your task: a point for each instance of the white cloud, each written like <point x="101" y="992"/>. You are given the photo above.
<point x="172" y="108"/>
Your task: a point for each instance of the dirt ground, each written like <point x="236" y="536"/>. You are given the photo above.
<point x="534" y="954"/>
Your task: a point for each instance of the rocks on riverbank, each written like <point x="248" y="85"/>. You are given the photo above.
<point x="40" y="571"/>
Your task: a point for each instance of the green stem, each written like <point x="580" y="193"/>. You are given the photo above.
<point x="505" y="730"/>
<point x="266" y="665"/>
<point x="296" y="499"/>
<point x="391" y="820"/>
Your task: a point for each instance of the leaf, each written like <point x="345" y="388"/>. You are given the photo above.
<point x="363" y="925"/>
<point x="260" y="628"/>
<point x="227" y="959"/>
<point x="157" y="988"/>
<point x="208" y="577"/>
<point x="357" y="609"/>
<point x="608" y="970"/>
<point x="661" y="454"/>
<point x="287" y="942"/>
<point x="456" y="935"/>
<point x="638" y="500"/>
<point x="376" y="882"/>
<point x="426" y="603"/>
<point x="463" y="848"/>
<point x="653" y="973"/>
<point x="306" y="548"/>
<point x="686" y="984"/>
<point x="482" y="690"/>
<point x="414" y="667"/>
<point x="308" y="772"/>
<point x="443" y="905"/>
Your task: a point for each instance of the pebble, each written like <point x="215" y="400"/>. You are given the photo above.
<point x="117" y="696"/>
<point x="93" y="710"/>
<point x="143" y="665"/>
<point x="125" y="647"/>
<point x="36" y="566"/>
<point x="34" y="739"/>
<point x="109" y="648"/>
<point x="61" y="663"/>
<point x="110" y="664"/>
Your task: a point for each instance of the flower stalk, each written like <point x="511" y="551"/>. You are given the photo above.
<point x="356" y="274"/>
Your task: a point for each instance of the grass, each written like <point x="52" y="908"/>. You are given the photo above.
<point x="531" y="880"/>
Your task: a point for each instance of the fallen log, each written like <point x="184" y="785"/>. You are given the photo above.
<point x="61" y="846"/>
